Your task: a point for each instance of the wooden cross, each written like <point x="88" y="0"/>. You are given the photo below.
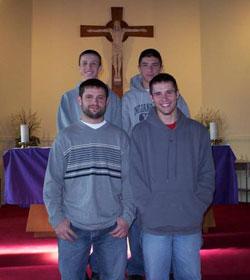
<point x="116" y="31"/>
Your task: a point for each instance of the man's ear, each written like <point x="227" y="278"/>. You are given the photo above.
<point x="151" y="96"/>
<point x="107" y="101"/>
<point x="177" y="94"/>
<point x="100" y="69"/>
<point x="79" y="100"/>
<point x="139" y="69"/>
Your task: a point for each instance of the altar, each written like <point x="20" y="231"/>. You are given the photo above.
<point x="25" y="170"/>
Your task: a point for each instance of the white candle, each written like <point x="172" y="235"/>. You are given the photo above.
<point x="213" y="130"/>
<point x="24" y="133"/>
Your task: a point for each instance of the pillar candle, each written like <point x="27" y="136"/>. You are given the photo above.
<point x="213" y="130"/>
<point x="24" y="133"/>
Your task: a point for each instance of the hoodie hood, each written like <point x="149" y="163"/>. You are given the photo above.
<point x="154" y="119"/>
<point x="136" y="83"/>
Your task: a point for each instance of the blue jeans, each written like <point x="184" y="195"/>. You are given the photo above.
<point x="111" y="254"/>
<point x="182" y="250"/>
<point x="93" y="262"/>
<point x="135" y="264"/>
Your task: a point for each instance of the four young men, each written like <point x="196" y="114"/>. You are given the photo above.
<point x="87" y="191"/>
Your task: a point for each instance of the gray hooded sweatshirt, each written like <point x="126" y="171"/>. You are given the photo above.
<point x="172" y="174"/>
<point x="136" y="104"/>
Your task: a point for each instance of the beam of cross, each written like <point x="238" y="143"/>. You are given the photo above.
<point x="116" y="31"/>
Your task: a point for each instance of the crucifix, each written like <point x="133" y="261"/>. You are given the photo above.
<point x="116" y="31"/>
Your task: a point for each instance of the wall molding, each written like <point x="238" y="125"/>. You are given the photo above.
<point x="237" y="137"/>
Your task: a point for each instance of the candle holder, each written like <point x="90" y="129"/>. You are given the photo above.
<point x="33" y="141"/>
<point x="216" y="142"/>
<point x="22" y="145"/>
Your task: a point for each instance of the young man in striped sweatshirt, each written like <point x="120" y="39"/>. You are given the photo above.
<point x="87" y="191"/>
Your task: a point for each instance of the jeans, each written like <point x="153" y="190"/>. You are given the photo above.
<point x="135" y="264"/>
<point x="93" y="262"/>
<point x="111" y="254"/>
<point x="182" y="250"/>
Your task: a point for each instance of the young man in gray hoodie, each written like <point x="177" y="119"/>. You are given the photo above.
<point x="87" y="192"/>
<point x="69" y="111"/>
<point x="136" y="104"/>
<point x="173" y="178"/>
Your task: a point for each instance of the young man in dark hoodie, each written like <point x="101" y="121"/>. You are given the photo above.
<point x="173" y="177"/>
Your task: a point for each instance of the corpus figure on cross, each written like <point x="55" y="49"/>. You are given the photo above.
<point x="117" y="33"/>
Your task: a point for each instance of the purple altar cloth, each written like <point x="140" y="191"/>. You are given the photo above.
<point x="24" y="175"/>
<point x="25" y="170"/>
<point x="226" y="183"/>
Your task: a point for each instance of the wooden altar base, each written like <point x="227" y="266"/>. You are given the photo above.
<point x="38" y="222"/>
<point x="208" y="220"/>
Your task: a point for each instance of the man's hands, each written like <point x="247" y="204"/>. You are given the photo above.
<point x="64" y="231"/>
<point x="121" y="229"/>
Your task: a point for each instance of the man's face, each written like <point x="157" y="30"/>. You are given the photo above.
<point x="89" y="66"/>
<point x="93" y="104"/>
<point x="165" y="98"/>
<point x="149" y="68"/>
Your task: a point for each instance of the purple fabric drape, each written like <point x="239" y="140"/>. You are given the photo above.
<point x="226" y="184"/>
<point x="24" y="175"/>
<point x="25" y="170"/>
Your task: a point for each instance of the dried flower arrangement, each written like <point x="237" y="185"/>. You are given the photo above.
<point x="205" y="116"/>
<point x="33" y="122"/>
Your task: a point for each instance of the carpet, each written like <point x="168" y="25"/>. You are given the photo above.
<point x="225" y="254"/>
